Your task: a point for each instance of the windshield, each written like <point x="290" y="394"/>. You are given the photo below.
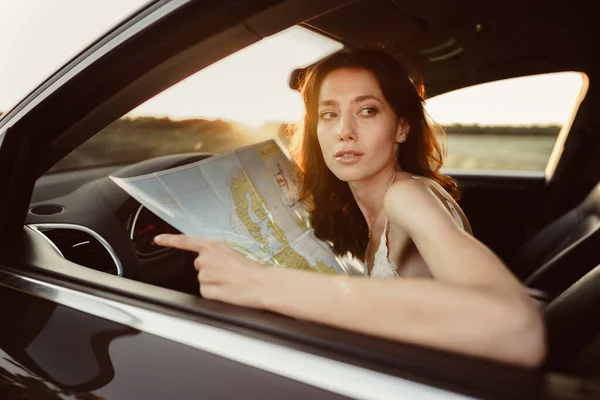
<point x="242" y="99"/>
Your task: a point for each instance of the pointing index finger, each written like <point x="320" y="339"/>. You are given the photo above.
<point x="181" y="242"/>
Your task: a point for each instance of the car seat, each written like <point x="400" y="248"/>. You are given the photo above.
<point x="565" y="250"/>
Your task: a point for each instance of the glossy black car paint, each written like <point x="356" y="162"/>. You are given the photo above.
<point x="50" y="349"/>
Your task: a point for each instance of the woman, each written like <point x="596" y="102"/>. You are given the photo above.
<point x="369" y="162"/>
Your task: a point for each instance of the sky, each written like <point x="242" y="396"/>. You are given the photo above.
<point x="250" y="87"/>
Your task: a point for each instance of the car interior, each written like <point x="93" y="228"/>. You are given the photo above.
<point x="544" y="226"/>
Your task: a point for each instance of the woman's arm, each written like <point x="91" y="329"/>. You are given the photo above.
<point x="499" y="324"/>
<point x="473" y="320"/>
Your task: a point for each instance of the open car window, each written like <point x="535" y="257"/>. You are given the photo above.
<point x="244" y="99"/>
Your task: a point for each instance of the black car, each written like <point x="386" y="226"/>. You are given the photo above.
<point x="90" y="308"/>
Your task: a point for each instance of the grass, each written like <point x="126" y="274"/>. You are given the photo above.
<point x="513" y="152"/>
<point x="130" y="140"/>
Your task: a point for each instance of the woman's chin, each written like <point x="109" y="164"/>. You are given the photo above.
<point x="349" y="176"/>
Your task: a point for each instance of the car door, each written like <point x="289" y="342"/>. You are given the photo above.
<point x="53" y="348"/>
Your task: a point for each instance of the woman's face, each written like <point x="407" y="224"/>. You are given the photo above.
<point x="357" y="129"/>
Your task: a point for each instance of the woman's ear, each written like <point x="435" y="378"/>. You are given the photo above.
<point x="402" y="131"/>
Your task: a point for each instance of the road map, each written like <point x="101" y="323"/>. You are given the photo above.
<point x="247" y="197"/>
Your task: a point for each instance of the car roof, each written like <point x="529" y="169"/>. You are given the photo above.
<point x="492" y="39"/>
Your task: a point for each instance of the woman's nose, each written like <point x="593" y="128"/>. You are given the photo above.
<point x="346" y="129"/>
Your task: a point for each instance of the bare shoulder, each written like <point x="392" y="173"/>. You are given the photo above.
<point x="413" y="202"/>
<point x="408" y="187"/>
<point x="407" y="191"/>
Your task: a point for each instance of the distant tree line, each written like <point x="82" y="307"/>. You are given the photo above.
<point x="198" y="125"/>
<point x="530" y="130"/>
<point x="130" y="139"/>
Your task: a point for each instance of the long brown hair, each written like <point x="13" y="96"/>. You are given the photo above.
<point x="334" y="213"/>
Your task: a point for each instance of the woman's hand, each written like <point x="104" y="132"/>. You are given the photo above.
<point x="224" y="273"/>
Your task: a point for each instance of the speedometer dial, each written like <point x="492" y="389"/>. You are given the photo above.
<point x="144" y="228"/>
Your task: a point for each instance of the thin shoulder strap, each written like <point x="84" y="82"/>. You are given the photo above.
<point x="384" y="234"/>
<point x="438" y="188"/>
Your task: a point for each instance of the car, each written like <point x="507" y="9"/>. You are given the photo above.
<point x="90" y="308"/>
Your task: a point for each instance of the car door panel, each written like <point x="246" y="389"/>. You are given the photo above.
<point x="52" y="349"/>
<point x="501" y="207"/>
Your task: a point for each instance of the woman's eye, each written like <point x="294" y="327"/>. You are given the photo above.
<point x="327" y="115"/>
<point x="366" y="111"/>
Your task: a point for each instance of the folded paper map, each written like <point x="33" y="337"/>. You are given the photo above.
<point x="246" y="197"/>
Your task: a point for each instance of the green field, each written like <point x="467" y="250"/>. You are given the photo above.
<point x="130" y="140"/>
<point x="515" y="152"/>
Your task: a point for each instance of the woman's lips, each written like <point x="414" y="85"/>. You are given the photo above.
<point x="348" y="156"/>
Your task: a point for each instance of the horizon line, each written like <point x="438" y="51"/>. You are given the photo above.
<point x="233" y="121"/>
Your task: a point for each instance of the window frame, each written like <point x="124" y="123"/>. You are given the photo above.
<point x="557" y="149"/>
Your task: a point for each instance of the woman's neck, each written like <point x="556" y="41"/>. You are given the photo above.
<point x="369" y="193"/>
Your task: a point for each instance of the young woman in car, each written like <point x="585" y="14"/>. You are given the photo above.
<point x="369" y="161"/>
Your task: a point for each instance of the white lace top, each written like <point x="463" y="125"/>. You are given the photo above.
<point x="382" y="266"/>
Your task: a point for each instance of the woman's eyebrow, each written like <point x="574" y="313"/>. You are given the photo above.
<point x="358" y="99"/>
<point x="328" y="103"/>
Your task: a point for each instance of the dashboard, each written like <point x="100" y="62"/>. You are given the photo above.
<point x="91" y="221"/>
<point x="143" y="226"/>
